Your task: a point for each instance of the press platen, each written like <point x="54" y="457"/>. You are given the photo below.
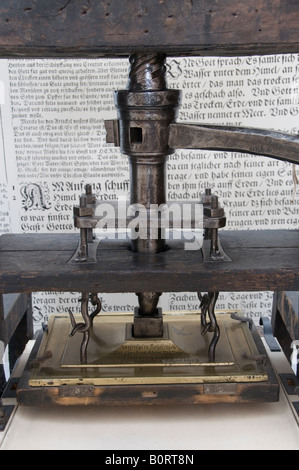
<point x="123" y="369"/>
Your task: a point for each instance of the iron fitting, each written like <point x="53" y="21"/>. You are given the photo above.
<point x="144" y="119"/>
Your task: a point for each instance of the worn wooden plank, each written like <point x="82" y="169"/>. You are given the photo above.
<point x="77" y="28"/>
<point x="48" y="242"/>
<point x="173" y="394"/>
<point x="261" y="260"/>
<point x="68" y="242"/>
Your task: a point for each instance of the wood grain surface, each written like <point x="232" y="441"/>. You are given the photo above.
<point x="261" y="260"/>
<point x="77" y="28"/>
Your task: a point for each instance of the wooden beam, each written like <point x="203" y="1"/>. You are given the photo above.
<point x="78" y="28"/>
<point x="261" y="261"/>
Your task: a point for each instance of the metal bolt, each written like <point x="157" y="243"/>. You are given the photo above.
<point x="206" y="197"/>
<point x="88" y="189"/>
<point x="83" y="201"/>
<point x="214" y="202"/>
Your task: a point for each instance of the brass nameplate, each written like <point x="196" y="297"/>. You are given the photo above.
<point x="145" y="353"/>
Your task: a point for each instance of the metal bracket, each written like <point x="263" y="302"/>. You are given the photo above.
<point x="210" y="257"/>
<point x="235" y="316"/>
<point x="91" y="250"/>
<point x="268" y="334"/>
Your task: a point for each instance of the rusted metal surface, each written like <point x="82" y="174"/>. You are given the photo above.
<point x="85" y="326"/>
<point x="207" y="304"/>
<point x="214" y="219"/>
<point x="145" y="111"/>
<point x="253" y="141"/>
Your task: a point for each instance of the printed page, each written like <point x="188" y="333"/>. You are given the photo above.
<point x="8" y="180"/>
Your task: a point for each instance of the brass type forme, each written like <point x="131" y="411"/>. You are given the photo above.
<point x="115" y="357"/>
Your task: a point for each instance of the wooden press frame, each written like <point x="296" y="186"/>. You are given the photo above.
<point x="95" y="29"/>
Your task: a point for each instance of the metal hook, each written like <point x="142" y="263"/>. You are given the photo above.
<point x="207" y="305"/>
<point x="85" y="327"/>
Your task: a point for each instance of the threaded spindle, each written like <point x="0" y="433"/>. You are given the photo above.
<point x="147" y="72"/>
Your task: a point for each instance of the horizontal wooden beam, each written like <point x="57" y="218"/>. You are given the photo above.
<point x="87" y="28"/>
<point x="261" y="261"/>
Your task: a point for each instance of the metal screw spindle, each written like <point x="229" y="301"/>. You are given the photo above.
<point x="151" y="116"/>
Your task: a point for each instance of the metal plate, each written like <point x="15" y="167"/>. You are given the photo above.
<point x="115" y="357"/>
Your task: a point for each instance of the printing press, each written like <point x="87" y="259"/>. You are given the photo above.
<point x="150" y="356"/>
